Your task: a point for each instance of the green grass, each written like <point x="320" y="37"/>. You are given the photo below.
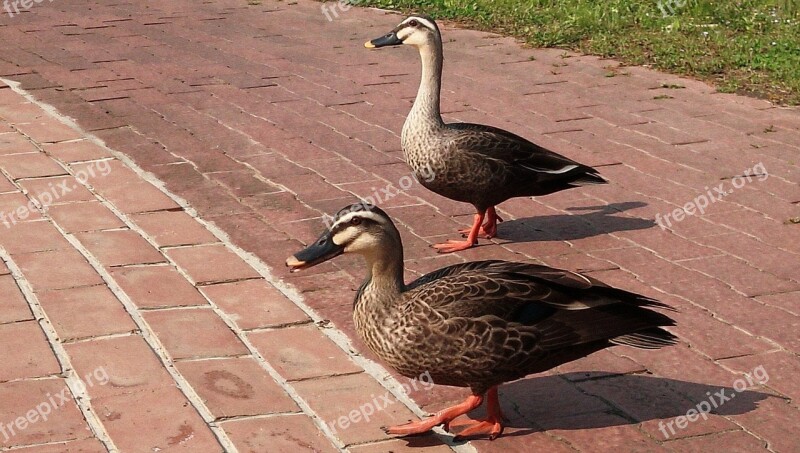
<point x="741" y="46"/>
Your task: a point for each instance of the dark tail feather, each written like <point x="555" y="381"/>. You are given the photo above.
<point x="590" y="177"/>
<point x="652" y="338"/>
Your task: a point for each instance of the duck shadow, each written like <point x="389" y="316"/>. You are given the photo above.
<point x="564" y="402"/>
<point x="564" y="227"/>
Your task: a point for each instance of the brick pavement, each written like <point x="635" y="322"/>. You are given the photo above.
<point x="265" y="117"/>
<point x="109" y="301"/>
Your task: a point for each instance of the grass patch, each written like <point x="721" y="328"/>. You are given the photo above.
<point x="742" y="46"/>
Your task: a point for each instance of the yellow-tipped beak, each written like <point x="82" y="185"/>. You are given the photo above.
<point x="389" y="39"/>
<point x="294" y="262"/>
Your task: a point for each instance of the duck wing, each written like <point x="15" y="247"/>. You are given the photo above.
<point x="519" y="153"/>
<point x="490" y="322"/>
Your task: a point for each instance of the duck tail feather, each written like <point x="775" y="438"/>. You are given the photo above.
<point x="652" y="338"/>
<point x="588" y="178"/>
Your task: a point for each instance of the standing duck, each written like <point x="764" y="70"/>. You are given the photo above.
<point x="478" y="324"/>
<point x="473" y="163"/>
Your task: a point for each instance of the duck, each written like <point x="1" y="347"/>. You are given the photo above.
<point x="472" y="163"/>
<point x="478" y="324"/>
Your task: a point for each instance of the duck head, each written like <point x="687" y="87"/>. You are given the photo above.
<point x="359" y="228"/>
<point x="418" y="31"/>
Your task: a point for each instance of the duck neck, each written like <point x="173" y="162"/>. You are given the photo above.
<point x="426" y="105"/>
<point x="384" y="282"/>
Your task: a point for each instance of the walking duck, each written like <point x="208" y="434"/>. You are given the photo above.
<point x="473" y="163"/>
<point x="478" y="324"/>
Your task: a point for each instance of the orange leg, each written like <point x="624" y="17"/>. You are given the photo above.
<point x="472" y="238"/>
<point x="491" y="426"/>
<point x="443" y="416"/>
<point x="489" y="229"/>
<point x="492" y="219"/>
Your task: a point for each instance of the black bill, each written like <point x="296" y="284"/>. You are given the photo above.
<point x="320" y="251"/>
<point x="389" y="39"/>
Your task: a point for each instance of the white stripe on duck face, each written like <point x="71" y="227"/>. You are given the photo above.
<point x="425" y="22"/>
<point x="347" y="218"/>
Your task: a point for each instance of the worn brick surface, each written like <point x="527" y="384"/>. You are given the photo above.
<point x="13" y="306"/>
<point x="153" y="419"/>
<point x="301" y="352"/>
<point x="281" y="433"/>
<point x="227" y="266"/>
<point x="170" y="228"/>
<point x="194" y="332"/>
<point x="30" y="166"/>
<point x="85" y="312"/>
<point x="235" y="387"/>
<point x="124" y="188"/>
<point x="18" y="397"/>
<point x="48" y="131"/>
<point x="254" y="303"/>
<point x="350" y="393"/>
<point x="30" y="237"/>
<point x="27" y="353"/>
<point x="57" y="269"/>
<point x="129" y="363"/>
<point x="58" y="189"/>
<point x="17" y="208"/>
<point x="263" y="127"/>
<point x="80" y="217"/>
<point x="120" y="248"/>
<point x="157" y="287"/>
<point x="82" y="446"/>
<point x="76" y="151"/>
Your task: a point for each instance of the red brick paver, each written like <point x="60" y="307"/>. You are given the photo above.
<point x="263" y="117"/>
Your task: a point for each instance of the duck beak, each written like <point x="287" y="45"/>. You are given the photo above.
<point x="323" y="249"/>
<point x="389" y="39"/>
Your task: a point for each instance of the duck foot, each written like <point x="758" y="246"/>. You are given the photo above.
<point x="491" y="426"/>
<point x="453" y="246"/>
<point x="488" y="427"/>
<point x="442" y="417"/>
<point x="472" y="239"/>
<point x="489" y="229"/>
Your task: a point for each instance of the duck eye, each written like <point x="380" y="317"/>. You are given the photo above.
<point x="413" y="23"/>
<point x="355" y="221"/>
